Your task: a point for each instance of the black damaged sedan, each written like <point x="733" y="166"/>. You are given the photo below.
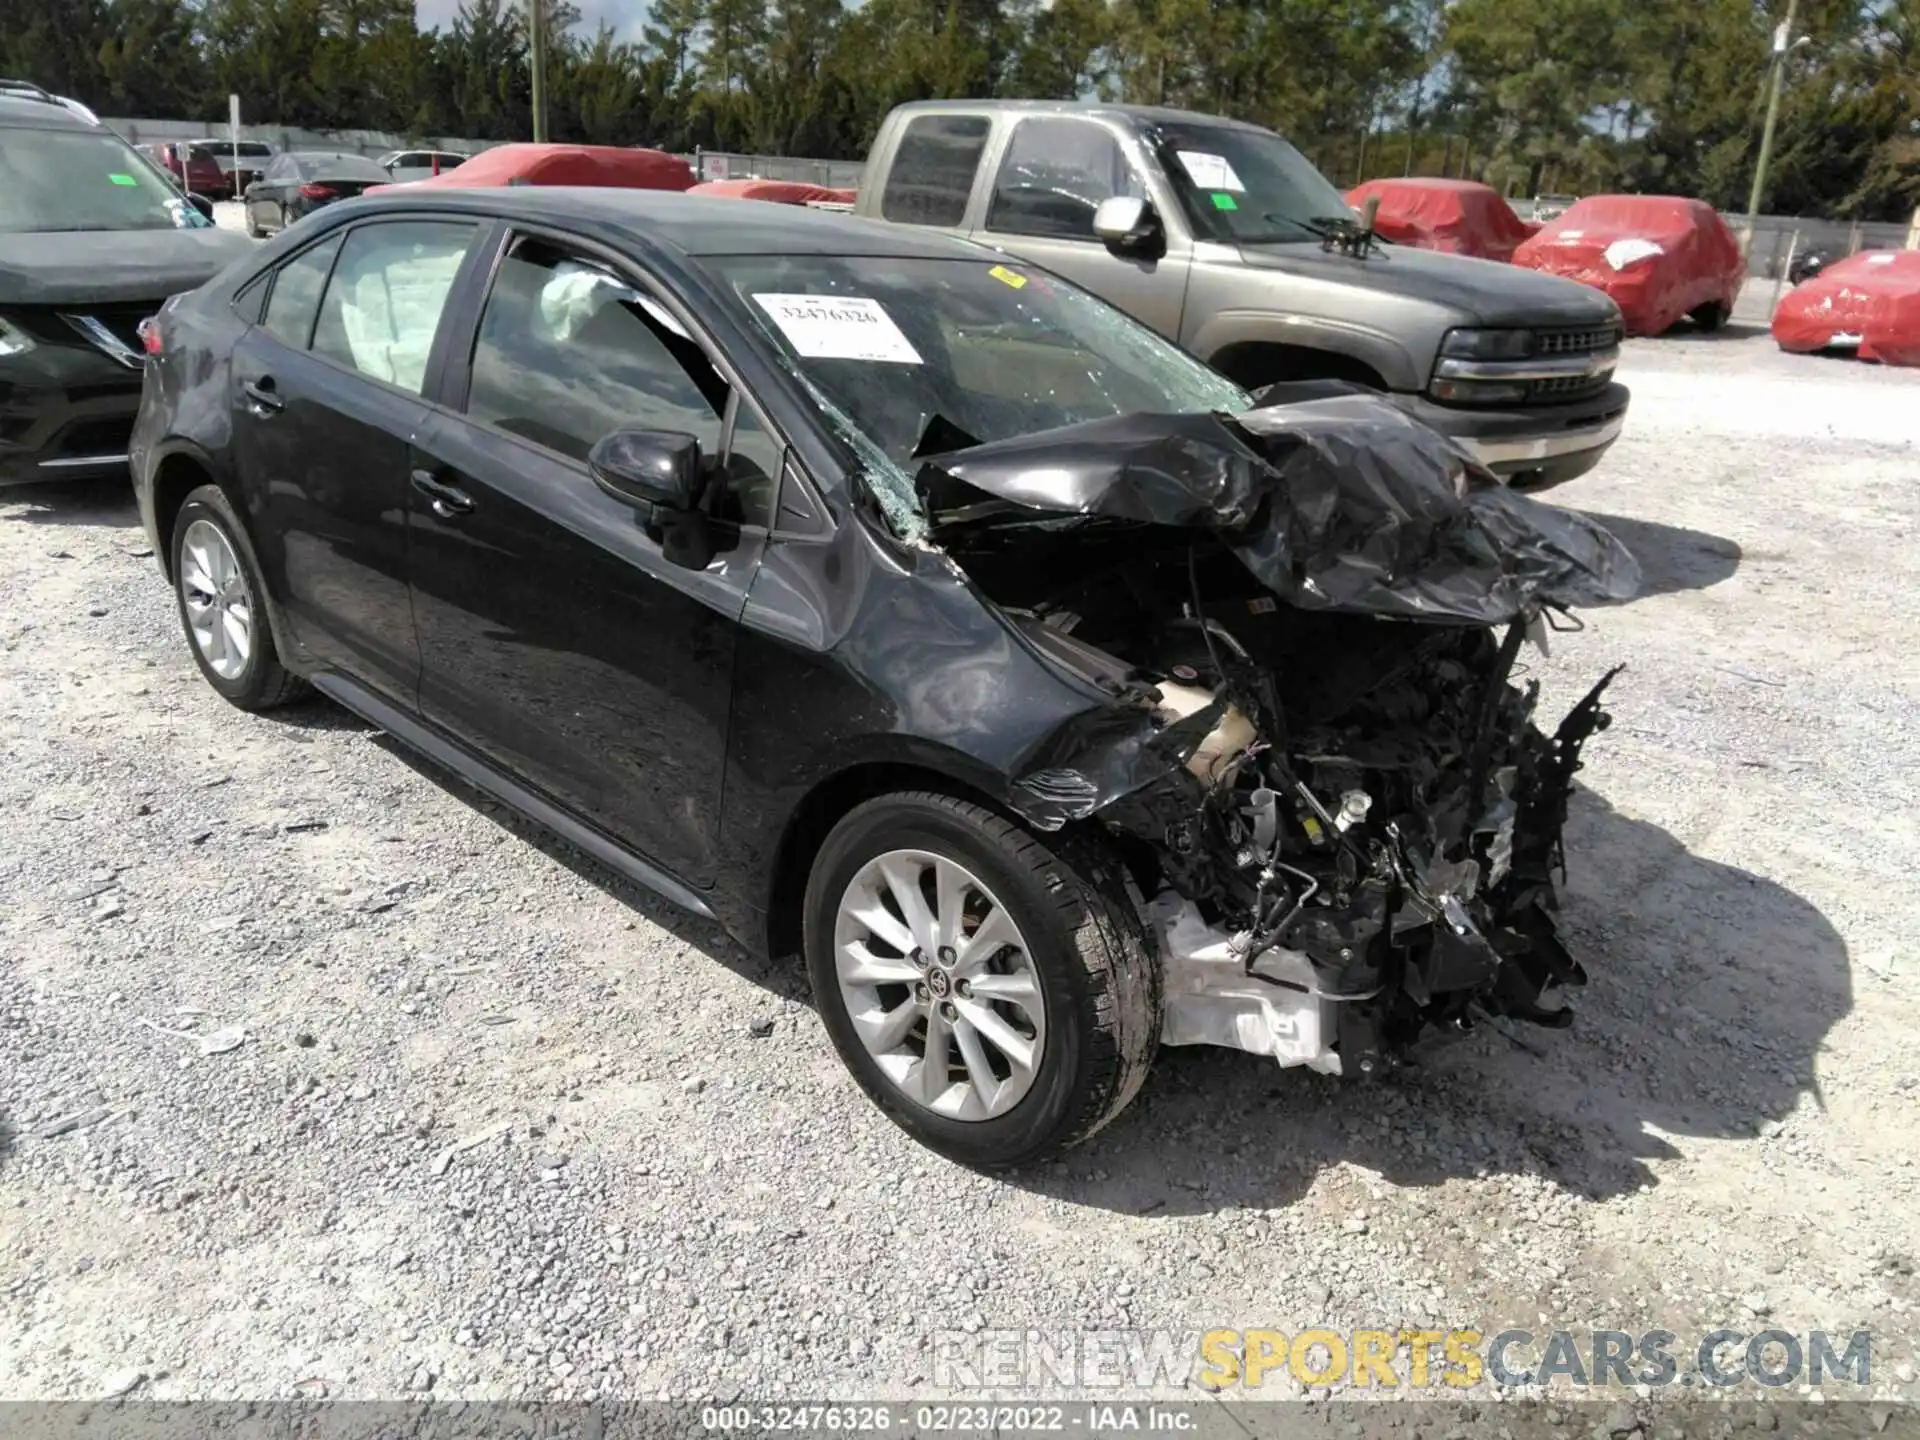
<point x="901" y="606"/>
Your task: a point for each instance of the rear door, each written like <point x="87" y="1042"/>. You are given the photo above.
<point x="556" y="638"/>
<point x="1053" y="173"/>
<point x="326" y="405"/>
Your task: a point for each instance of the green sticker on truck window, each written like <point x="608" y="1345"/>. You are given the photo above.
<point x="1224" y="201"/>
<point x="123" y="180"/>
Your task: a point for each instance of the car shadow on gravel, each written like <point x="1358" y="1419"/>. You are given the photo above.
<point x="1672" y="559"/>
<point x="1711" y="992"/>
<point x="786" y="979"/>
<point x="73" y="502"/>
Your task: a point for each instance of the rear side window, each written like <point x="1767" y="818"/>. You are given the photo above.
<point x="383" y="303"/>
<point x="1055" y="174"/>
<point x="296" y="294"/>
<point x="933" y="169"/>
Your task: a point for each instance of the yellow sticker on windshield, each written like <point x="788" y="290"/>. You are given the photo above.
<point x="1008" y="277"/>
<point x="123" y="180"/>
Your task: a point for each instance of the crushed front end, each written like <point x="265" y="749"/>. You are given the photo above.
<point x="1320" y="754"/>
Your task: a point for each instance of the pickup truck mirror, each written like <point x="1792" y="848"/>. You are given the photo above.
<point x="200" y="203"/>
<point x="1129" y="225"/>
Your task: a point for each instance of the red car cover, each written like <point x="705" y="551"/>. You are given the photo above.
<point x="1658" y="256"/>
<point x="1462" y="217"/>
<point x="609" y="165"/>
<point x="781" y="192"/>
<point x="1870" y="300"/>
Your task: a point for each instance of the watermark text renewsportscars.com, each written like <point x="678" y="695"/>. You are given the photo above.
<point x="1397" y="1358"/>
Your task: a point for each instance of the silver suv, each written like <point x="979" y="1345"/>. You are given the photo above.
<point x="1224" y="238"/>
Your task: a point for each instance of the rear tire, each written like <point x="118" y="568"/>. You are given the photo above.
<point x="1077" y="940"/>
<point x="223" y="605"/>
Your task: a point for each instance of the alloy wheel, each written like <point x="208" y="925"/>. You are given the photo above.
<point x="218" y="600"/>
<point x="939" y="984"/>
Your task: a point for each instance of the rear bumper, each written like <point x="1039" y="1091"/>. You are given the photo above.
<point x="69" y="419"/>
<point x="1536" y="446"/>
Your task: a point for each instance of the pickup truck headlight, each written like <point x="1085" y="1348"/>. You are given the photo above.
<point x="13" y="340"/>
<point x="1488" y="344"/>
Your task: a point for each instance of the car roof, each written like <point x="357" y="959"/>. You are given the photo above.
<point x="695" y="225"/>
<point x="18" y="110"/>
<point x="1150" y="113"/>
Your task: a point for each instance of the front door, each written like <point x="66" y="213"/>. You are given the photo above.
<point x="1053" y="175"/>
<point x="326" y="406"/>
<point x="556" y="638"/>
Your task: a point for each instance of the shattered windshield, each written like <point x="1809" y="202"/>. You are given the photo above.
<point x="918" y="355"/>
<point x="1247" y="187"/>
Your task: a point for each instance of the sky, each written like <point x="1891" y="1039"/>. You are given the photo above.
<point x="626" y="16"/>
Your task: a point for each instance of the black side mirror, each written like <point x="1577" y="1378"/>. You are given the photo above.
<point x="1128" y="225"/>
<point x="201" y="203"/>
<point x="659" y="473"/>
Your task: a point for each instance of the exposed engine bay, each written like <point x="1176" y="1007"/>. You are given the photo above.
<point x="1321" y="759"/>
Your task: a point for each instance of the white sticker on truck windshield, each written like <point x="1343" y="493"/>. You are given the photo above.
<point x="839" y="327"/>
<point x="1209" y="172"/>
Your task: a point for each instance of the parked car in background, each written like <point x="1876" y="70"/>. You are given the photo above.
<point x="93" y="239"/>
<point x="1222" y="237"/>
<point x="1660" y="258"/>
<point x="900" y="604"/>
<point x="192" y="166"/>
<point x="1550" y="207"/>
<point x="1461" y="217"/>
<point x="601" y="165"/>
<point x="242" y="163"/>
<point x="298" y="182"/>
<point x="404" y="165"/>
<point x="1867" y="304"/>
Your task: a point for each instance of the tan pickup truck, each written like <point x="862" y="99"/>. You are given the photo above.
<point x="1224" y="238"/>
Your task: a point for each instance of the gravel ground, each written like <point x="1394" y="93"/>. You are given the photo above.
<point x="319" y="1076"/>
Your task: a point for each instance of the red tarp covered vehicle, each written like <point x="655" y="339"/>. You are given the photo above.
<point x="1462" y="217"/>
<point x="1868" y="302"/>
<point x="781" y="192"/>
<point x="1658" y="256"/>
<point x="609" y="165"/>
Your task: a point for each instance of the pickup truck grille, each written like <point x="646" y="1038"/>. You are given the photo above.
<point x="1557" y="343"/>
<point x="1567" y="387"/>
<point x="1575" y="342"/>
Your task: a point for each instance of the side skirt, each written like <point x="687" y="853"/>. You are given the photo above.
<point x="483" y="776"/>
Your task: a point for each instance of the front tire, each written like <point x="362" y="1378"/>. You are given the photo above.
<point x="997" y="1002"/>
<point x="223" y="608"/>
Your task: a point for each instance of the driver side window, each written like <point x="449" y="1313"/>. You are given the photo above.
<point x="568" y="352"/>
<point x="1055" y="174"/>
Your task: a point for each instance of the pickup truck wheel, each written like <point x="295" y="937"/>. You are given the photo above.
<point x="997" y="1002"/>
<point x="223" y="606"/>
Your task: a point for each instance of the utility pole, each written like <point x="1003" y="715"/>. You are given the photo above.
<point x="537" y="20"/>
<point x="1783" y="41"/>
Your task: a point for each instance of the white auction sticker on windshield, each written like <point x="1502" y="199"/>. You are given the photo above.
<point x="1209" y="172"/>
<point x="839" y="327"/>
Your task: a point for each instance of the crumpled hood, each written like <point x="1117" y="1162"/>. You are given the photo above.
<point x="101" y="267"/>
<point x="1333" y="498"/>
<point x="1482" y="292"/>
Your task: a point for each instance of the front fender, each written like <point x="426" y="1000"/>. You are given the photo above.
<point x="1379" y="350"/>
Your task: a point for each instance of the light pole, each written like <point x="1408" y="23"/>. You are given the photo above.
<point x="538" y="60"/>
<point x="1783" y="42"/>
